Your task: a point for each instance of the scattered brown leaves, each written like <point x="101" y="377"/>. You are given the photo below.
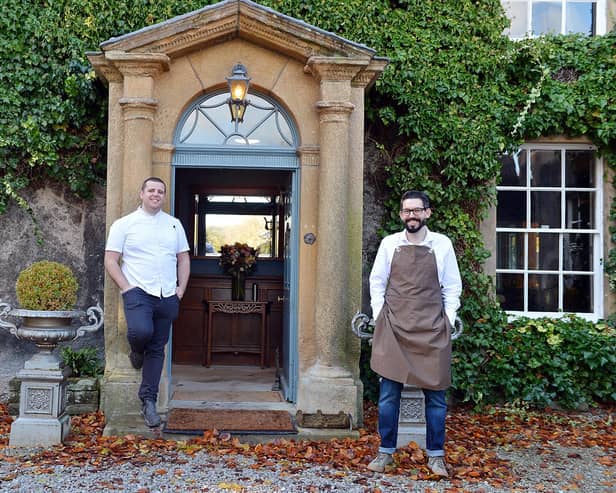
<point x="472" y="439"/>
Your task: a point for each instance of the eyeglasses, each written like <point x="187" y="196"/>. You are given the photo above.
<point x="416" y="211"/>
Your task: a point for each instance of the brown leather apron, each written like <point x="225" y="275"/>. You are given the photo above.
<point x="412" y="337"/>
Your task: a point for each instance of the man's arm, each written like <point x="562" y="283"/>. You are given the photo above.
<point x="183" y="273"/>
<point x="451" y="285"/>
<point x="378" y="280"/>
<point x="112" y="265"/>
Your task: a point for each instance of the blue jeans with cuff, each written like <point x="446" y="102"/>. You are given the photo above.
<point x="389" y="413"/>
<point x="149" y="319"/>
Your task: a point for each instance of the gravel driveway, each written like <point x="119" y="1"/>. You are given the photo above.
<point x="560" y="469"/>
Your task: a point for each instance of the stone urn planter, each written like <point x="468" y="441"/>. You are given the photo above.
<point x="46" y="290"/>
<point x="43" y="419"/>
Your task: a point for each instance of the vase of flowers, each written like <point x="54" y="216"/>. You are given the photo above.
<point x="238" y="260"/>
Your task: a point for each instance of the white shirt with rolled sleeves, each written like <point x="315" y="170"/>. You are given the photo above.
<point x="447" y="266"/>
<point x="149" y="246"/>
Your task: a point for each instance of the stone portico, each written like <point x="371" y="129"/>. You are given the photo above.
<point x="320" y="79"/>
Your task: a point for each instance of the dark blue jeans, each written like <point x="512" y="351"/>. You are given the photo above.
<point x="389" y="413"/>
<point x="149" y="319"/>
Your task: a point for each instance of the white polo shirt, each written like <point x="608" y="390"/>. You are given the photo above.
<point x="446" y="264"/>
<point x="149" y="246"/>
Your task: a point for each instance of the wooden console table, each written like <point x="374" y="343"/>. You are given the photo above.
<point x="237" y="309"/>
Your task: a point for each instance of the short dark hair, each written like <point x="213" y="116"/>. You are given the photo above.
<point x="416" y="194"/>
<point x="153" y="178"/>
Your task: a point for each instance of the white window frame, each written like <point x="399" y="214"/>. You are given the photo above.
<point x="600" y="21"/>
<point x="596" y="233"/>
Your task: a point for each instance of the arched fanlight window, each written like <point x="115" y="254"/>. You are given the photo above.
<point x="208" y="124"/>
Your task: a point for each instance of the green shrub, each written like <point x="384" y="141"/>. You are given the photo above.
<point x="83" y="362"/>
<point x="567" y="361"/>
<point x="46" y="285"/>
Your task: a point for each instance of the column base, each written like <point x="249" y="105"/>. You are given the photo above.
<point x="119" y="396"/>
<point x="331" y="390"/>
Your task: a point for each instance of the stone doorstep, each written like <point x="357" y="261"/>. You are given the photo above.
<point x="82" y="395"/>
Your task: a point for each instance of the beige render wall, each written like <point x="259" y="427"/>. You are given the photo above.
<point x="282" y="78"/>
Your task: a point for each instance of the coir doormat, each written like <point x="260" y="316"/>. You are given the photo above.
<point x="196" y="421"/>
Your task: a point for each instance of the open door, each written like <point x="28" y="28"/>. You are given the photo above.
<point x="288" y="377"/>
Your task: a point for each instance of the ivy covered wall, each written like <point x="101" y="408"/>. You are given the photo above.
<point x="456" y="94"/>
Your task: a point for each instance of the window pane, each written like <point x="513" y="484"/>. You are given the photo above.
<point x="513" y="170"/>
<point x="221" y="229"/>
<point x="580" y="207"/>
<point x="542" y="293"/>
<point x="511" y="210"/>
<point x="579" y="169"/>
<point x="545" y="168"/>
<point x="510" y="248"/>
<point x="545" y="209"/>
<point x="510" y="291"/>
<point x="543" y="251"/>
<point x="578" y="294"/>
<point x="516" y="12"/>
<point x="580" y="18"/>
<point x="546" y="17"/>
<point x="577" y="252"/>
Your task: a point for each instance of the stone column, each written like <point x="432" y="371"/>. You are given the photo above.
<point x="329" y="384"/>
<point x="132" y="109"/>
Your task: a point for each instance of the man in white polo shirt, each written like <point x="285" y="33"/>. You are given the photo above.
<point x="152" y="276"/>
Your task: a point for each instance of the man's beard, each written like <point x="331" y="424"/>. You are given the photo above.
<point x="414" y="229"/>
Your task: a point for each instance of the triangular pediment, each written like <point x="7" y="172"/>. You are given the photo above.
<point x="236" y="19"/>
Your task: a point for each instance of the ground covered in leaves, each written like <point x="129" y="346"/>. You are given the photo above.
<point x="482" y="448"/>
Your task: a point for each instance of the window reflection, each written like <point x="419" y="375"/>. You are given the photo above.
<point x="510" y="250"/>
<point x="545" y="209"/>
<point x="577" y="252"/>
<point x="513" y="170"/>
<point x="542" y="293"/>
<point x="511" y="212"/>
<point x="510" y="291"/>
<point x="581" y="18"/>
<point x="578" y="294"/>
<point x="546" y="17"/>
<point x="545" y="168"/>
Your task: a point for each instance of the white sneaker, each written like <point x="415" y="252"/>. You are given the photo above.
<point x="380" y="461"/>
<point x="438" y="466"/>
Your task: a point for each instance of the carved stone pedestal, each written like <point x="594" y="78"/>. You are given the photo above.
<point x="42" y="408"/>
<point x="412" y="421"/>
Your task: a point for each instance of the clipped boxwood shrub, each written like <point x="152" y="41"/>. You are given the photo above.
<point x="46" y="285"/>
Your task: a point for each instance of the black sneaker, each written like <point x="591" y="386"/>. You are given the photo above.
<point x="150" y="416"/>
<point x="136" y="359"/>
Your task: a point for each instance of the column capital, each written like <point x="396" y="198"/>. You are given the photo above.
<point x="369" y="74"/>
<point x="103" y="68"/>
<point x="138" y="64"/>
<point x="325" y="68"/>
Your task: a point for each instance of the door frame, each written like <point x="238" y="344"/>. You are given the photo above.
<point x="289" y="387"/>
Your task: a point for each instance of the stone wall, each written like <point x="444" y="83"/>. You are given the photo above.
<point x="73" y="232"/>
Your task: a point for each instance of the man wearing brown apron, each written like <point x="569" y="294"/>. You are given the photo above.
<point x="415" y="289"/>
